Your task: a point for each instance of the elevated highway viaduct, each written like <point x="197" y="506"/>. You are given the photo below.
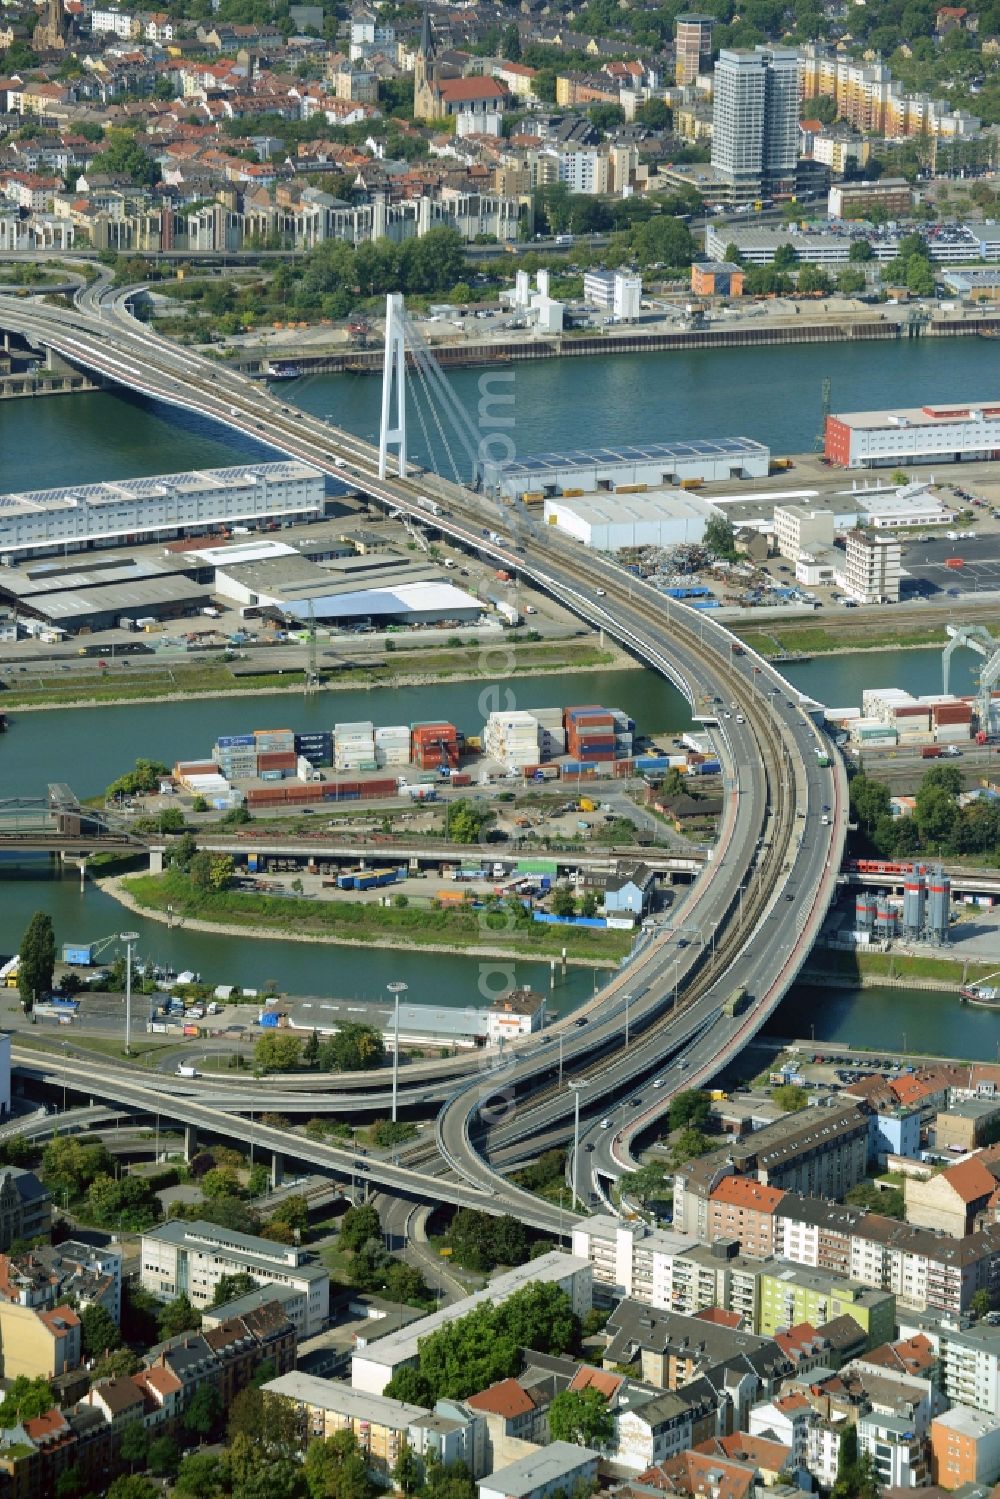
<point x="750" y="918"/>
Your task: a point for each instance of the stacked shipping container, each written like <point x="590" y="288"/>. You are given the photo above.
<point x="354" y="746"/>
<point x="392" y="745"/>
<point x="434" y="745"/>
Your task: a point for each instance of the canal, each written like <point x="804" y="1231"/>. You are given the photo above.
<point x="769" y="394"/>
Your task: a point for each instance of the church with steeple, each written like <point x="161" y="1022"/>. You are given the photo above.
<point x="52" y="34"/>
<point x="476" y="104"/>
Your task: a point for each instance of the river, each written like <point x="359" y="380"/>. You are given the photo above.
<point x="769" y="394"/>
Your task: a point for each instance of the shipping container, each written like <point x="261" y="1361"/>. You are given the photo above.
<point x="235" y="741"/>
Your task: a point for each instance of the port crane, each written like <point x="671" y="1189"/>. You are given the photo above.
<point x="977" y="638"/>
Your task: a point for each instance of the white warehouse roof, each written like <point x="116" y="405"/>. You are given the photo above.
<point x="406" y="598"/>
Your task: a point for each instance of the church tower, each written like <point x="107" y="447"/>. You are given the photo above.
<point x="423" y="71"/>
<point x="50" y="35"/>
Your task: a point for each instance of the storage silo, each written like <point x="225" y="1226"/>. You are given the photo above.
<point x="864" y="912"/>
<point x="885" y="918"/>
<point x="914" y="903"/>
<point x="938" y="905"/>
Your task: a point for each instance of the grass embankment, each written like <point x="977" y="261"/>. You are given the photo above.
<point x="180" y="677"/>
<point x="856" y="968"/>
<point x="818" y="640"/>
<point x="368" y="924"/>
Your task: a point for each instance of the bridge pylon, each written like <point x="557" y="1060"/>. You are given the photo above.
<point x="393" y="373"/>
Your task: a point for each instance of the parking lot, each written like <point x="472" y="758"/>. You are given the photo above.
<point x="926" y="573"/>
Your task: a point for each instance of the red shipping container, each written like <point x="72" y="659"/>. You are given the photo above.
<point x="461" y="779"/>
<point x="277" y="760"/>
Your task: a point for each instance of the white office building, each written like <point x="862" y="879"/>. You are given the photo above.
<point x="106" y="514"/>
<point x="190" y="1258"/>
<point x="613" y="522"/>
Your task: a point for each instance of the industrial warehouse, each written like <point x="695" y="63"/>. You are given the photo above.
<point x="37" y="521"/>
<point x="339" y="574"/>
<point x="917" y="434"/>
<point x="630" y="469"/>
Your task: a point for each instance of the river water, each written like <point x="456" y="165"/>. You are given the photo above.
<point x="769" y="394"/>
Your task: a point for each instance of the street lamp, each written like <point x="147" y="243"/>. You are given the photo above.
<point x="576" y="1086"/>
<point x="129" y="939"/>
<point x="396" y="989"/>
<point x="628" y="999"/>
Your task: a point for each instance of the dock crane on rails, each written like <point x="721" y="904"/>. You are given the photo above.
<point x="977" y="638"/>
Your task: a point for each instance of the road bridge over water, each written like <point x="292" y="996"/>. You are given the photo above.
<point x="753" y="914"/>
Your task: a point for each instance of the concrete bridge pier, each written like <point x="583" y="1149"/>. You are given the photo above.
<point x="156" y="858"/>
<point x="83" y="871"/>
<point x="190" y="1141"/>
<point x="277" y="1170"/>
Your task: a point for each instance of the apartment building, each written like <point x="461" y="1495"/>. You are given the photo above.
<point x="25" y="1206"/>
<point x="822" y="1152"/>
<point x="381" y="1427"/>
<point x="967" y="1359"/>
<point x="41" y="1344"/>
<point x="742" y="1209"/>
<point x="965" y="1448"/>
<point x="755" y="120"/>
<point x="673" y="1350"/>
<point x="955" y="1201"/>
<point x="629" y="1259"/>
<point x="897" y="1452"/>
<point x="791" y="1294"/>
<point x="873" y="568"/>
<point x="182" y="1258"/>
<point x="692" y="47"/>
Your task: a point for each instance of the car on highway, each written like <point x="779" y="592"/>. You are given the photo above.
<point x="605" y="1124"/>
<point x="601" y="592"/>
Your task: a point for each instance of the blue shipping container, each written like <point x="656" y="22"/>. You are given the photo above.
<point x="268" y="1019"/>
<point x="234" y="741"/>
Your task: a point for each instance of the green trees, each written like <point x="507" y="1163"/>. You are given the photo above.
<point x="99" y="1331"/>
<point x="204" y="1412"/>
<point x="230" y="1287"/>
<point x="689" y="1144"/>
<point x="851" y="281"/>
<point x="481" y="1242"/>
<point x="69" y="1167"/>
<point x="484" y="1346"/>
<point x="692" y="1107"/>
<point x="563" y="902"/>
<point x="37" y="959"/>
<point x="199" y="1476"/>
<point x="335" y="1468"/>
<point x="785" y="258"/>
<point x="465" y="822"/>
<point x="860" y="252"/>
<point x="122" y="153"/>
<point x="276" y="1051"/>
<point x="408" y="1470"/>
<point x="665" y="240"/>
<point x="212" y="872"/>
<point x="178" y="1316"/>
<point x="352" y="1048"/>
<point x="358" y="1225"/>
<point x="134" y="1444"/>
<point x="581" y="1416"/>
<point x="146" y="777"/>
<point x="25" y="1399"/>
<point x="813" y="279"/>
<point x="791" y="1097"/>
<point x="719" y="539"/>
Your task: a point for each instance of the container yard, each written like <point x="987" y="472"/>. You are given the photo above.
<point x="936" y="724"/>
<point x="272" y="768"/>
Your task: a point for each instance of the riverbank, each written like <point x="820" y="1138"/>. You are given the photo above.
<point x="123" y="691"/>
<point x="857" y="632"/>
<point x="892" y="970"/>
<point x="169" y="899"/>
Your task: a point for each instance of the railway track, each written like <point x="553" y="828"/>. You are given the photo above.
<point x="762" y="796"/>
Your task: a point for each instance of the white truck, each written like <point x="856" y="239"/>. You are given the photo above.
<point x="184" y="1071"/>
